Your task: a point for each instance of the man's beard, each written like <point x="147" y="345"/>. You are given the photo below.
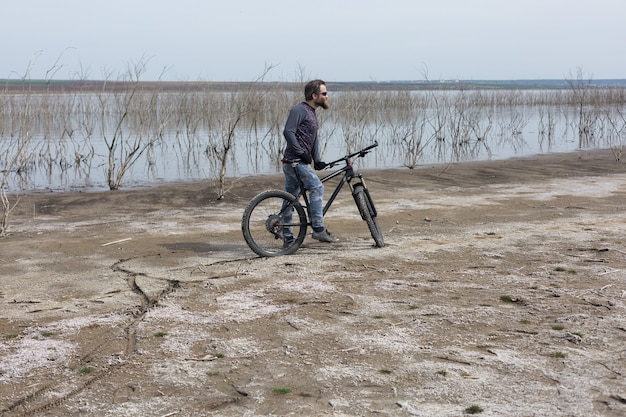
<point x="323" y="103"/>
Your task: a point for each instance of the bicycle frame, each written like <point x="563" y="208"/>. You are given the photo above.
<point x="271" y="231"/>
<point x="348" y="176"/>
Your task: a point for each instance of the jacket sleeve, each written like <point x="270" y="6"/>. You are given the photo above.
<point x="296" y="115"/>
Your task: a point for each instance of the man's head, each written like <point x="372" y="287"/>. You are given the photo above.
<point x="316" y="94"/>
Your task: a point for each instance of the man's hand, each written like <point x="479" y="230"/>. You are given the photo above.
<point x="319" y="165"/>
<point x="305" y="158"/>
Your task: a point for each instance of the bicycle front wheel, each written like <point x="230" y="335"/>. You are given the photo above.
<point x="368" y="213"/>
<point x="274" y="223"/>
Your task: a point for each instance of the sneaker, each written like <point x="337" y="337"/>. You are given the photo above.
<point x="324" y="236"/>
<point x="288" y="241"/>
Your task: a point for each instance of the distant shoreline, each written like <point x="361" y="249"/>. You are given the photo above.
<point x="15" y="86"/>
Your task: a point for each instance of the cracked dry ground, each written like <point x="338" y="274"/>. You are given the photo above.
<point x="502" y="286"/>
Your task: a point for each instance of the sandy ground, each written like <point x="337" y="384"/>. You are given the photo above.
<point x="501" y="288"/>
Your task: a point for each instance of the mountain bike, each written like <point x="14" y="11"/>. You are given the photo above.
<point x="265" y="221"/>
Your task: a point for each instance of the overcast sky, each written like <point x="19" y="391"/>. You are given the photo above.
<point x="337" y="40"/>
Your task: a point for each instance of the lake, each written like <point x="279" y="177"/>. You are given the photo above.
<point x="79" y="141"/>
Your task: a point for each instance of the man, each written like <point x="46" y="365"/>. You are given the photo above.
<point x="301" y="135"/>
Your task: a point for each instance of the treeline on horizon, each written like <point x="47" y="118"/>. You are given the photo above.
<point x="226" y="86"/>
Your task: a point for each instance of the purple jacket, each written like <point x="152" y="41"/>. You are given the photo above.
<point x="301" y="132"/>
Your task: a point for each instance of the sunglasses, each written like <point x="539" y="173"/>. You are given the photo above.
<point x="325" y="93"/>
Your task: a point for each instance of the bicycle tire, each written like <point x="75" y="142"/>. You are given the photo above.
<point x="263" y="224"/>
<point x="368" y="213"/>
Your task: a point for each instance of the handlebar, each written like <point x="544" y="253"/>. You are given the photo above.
<point x="346" y="158"/>
<point x="360" y="154"/>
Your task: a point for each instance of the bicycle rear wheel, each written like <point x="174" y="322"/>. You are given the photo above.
<point x="274" y="223"/>
<point x="368" y="213"/>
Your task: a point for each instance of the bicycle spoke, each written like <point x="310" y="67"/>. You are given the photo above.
<point x="274" y="224"/>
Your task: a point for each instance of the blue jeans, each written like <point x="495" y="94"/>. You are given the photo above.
<point x="315" y="188"/>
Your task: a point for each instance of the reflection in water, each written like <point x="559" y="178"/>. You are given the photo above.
<point x="58" y="141"/>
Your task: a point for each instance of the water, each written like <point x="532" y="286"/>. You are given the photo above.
<point x="441" y="132"/>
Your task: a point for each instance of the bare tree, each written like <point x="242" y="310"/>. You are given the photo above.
<point x="276" y="106"/>
<point x="7" y="207"/>
<point x="223" y="127"/>
<point x="580" y="88"/>
<point x="10" y="165"/>
<point x="617" y="123"/>
<point x="410" y="136"/>
<point x="407" y="130"/>
<point x="221" y="132"/>
<point x="125" y="145"/>
<point x="357" y="119"/>
<point x="546" y="126"/>
<point x="15" y="155"/>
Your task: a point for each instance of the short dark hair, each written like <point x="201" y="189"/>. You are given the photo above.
<point x="312" y="87"/>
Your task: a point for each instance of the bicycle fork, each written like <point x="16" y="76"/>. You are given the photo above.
<point x="370" y="202"/>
